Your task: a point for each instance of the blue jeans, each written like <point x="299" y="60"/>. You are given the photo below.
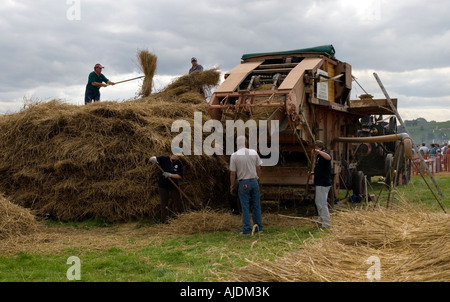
<point x="249" y="194"/>
<point x="91" y="95"/>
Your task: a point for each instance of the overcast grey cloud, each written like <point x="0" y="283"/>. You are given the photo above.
<point x="48" y="47"/>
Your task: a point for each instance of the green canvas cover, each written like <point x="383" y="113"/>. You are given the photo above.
<point x="329" y="49"/>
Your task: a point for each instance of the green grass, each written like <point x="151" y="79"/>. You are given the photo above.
<point x="186" y="258"/>
<point x="183" y="258"/>
<point x="420" y="191"/>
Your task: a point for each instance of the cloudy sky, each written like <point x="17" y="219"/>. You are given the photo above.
<point x="48" y="47"/>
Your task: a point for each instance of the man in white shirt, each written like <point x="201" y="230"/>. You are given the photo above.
<point x="245" y="166"/>
<point x="424" y="149"/>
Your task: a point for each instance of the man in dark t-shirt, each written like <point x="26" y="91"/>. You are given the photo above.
<point x="322" y="182"/>
<point x="168" y="183"/>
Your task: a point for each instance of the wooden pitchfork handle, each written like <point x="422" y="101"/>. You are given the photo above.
<point x="171" y="180"/>
<point x="129" y="80"/>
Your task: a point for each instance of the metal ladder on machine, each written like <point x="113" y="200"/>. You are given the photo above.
<point x="422" y="161"/>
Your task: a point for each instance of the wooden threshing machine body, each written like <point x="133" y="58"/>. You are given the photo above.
<point x="308" y="92"/>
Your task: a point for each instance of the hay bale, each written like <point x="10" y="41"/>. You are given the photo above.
<point x="75" y="162"/>
<point x="15" y="221"/>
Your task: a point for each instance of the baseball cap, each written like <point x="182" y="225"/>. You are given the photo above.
<point x="177" y="151"/>
<point x="98" y="65"/>
<point x="193" y="59"/>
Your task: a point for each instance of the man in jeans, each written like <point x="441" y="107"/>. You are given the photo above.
<point x="322" y="181"/>
<point x="245" y="166"/>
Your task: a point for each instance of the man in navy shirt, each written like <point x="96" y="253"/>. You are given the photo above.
<point x="95" y="80"/>
<point x="195" y="66"/>
<point x="322" y="181"/>
<point x="169" y="194"/>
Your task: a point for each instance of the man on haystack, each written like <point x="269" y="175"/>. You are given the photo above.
<point x="168" y="183"/>
<point x="195" y="66"/>
<point x="96" y="80"/>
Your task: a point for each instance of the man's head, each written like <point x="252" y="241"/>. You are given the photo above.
<point x="177" y="153"/>
<point x="98" y="68"/>
<point x="194" y="61"/>
<point x="319" y="144"/>
<point x="241" y="141"/>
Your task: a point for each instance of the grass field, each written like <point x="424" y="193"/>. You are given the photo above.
<point x="146" y="251"/>
<point x="132" y="253"/>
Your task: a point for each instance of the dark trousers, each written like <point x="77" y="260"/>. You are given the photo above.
<point x="171" y="202"/>
<point x="91" y="96"/>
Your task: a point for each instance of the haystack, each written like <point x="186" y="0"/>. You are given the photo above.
<point x="15" y="221"/>
<point x="75" y="162"/>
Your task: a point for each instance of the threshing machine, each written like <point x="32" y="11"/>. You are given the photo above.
<point x="308" y="91"/>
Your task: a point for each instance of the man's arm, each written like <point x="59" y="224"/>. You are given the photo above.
<point x="258" y="171"/>
<point x="102" y="84"/>
<point x="176" y="176"/>
<point x="97" y="84"/>
<point x="323" y="154"/>
<point x="232" y="178"/>
<point x="232" y="170"/>
<point x="106" y="80"/>
<point x="93" y="78"/>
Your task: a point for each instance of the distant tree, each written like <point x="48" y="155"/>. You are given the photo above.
<point x="421" y="120"/>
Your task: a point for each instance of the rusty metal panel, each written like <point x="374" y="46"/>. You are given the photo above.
<point x="284" y="176"/>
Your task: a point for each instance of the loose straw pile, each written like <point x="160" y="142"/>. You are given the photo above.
<point x="210" y="221"/>
<point x="15" y="221"/>
<point x="402" y="244"/>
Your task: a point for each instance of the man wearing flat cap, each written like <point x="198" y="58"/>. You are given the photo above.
<point x="169" y="194"/>
<point x="322" y="182"/>
<point x="195" y="66"/>
<point x="96" y="80"/>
